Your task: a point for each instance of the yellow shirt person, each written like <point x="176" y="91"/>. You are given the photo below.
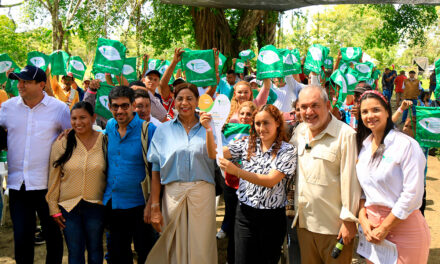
<point x="70" y="95"/>
<point x="3" y="96"/>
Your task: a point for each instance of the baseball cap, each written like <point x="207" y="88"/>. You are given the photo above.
<point x="29" y="73"/>
<point x="153" y="72"/>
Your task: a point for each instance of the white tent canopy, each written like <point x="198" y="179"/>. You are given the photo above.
<point x="282" y="5"/>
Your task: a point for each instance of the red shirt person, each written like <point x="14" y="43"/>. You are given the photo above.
<point x="399" y="84"/>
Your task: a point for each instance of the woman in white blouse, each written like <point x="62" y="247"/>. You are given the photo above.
<point x="390" y="170"/>
<point x="267" y="163"/>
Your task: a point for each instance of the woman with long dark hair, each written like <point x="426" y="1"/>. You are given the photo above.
<point x="390" y="171"/>
<point x="76" y="186"/>
<point x="268" y="161"/>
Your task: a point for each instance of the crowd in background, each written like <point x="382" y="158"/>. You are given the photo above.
<point x="303" y="166"/>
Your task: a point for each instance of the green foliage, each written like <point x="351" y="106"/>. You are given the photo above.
<point x="167" y="25"/>
<point x="429" y="49"/>
<point x="401" y="23"/>
<point x="344" y="27"/>
<point x="17" y="45"/>
<point x="385" y="32"/>
<point x="233" y="16"/>
<point x="301" y="37"/>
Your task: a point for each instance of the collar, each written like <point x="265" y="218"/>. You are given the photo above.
<point x="132" y="123"/>
<point x="332" y="129"/>
<point x="176" y="119"/>
<point x="261" y="149"/>
<point x="389" y="139"/>
<point x="44" y="101"/>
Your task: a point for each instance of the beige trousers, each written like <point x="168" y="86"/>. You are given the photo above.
<point x="188" y="209"/>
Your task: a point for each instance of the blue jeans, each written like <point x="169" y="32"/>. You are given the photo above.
<point x="23" y="205"/>
<point x="413" y="108"/>
<point x="388" y="94"/>
<point x="84" y="229"/>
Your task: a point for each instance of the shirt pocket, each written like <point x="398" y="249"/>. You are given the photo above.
<point x="321" y="161"/>
<point x="44" y="130"/>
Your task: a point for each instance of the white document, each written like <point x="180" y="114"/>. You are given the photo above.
<point x="383" y="253"/>
<point x="219" y="112"/>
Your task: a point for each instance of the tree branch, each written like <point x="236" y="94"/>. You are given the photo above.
<point x="72" y="14"/>
<point x="46" y="5"/>
<point x="11" y="5"/>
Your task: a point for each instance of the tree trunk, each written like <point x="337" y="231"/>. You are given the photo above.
<point x="212" y="30"/>
<point x="66" y="41"/>
<point x="266" y="29"/>
<point x="57" y="27"/>
<point x="246" y="28"/>
<point x="54" y="32"/>
<point x="60" y="37"/>
<point x="138" y="39"/>
<point x="57" y="35"/>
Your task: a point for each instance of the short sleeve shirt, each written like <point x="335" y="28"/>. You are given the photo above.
<point x="399" y="83"/>
<point x="258" y="196"/>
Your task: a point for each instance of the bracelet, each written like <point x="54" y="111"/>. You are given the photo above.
<point x="92" y="92"/>
<point x="155" y="205"/>
<point x="56" y="215"/>
<point x="209" y="129"/>
<point x="400" y="110"/>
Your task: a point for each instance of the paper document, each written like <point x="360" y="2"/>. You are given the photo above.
<point x="383" y="253"/>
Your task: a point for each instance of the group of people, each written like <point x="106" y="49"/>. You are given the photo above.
<point x="148" y="176"/>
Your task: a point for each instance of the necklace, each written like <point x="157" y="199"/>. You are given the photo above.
<point x="190" y="125"/>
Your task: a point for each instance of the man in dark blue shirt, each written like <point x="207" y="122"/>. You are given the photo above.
<point x="388" y="83"/>
<point x="126" y="171"/>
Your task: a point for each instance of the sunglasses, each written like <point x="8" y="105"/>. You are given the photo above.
<point x="115" y="107"/>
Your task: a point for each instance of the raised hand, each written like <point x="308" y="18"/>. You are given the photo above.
<point x="178" y="54"/>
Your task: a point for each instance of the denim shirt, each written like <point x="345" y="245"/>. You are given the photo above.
<point x="126" y="167"/>
<point x="181" y="157"/>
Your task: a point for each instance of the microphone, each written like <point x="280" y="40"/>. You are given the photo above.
<point x="337" y="249"/>
<point x="308" y="146"/>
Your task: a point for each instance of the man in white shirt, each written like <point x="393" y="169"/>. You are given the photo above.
<point x="33" y="121"/>
<point x="287" y="90"/>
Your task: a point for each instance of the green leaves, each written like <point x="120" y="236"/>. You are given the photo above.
<point x="17" y="45"/>
<point x="167" y="23"/>
<point x="402" y="23"/>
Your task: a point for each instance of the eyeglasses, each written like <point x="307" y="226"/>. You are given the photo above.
<point x="115" y="107"/>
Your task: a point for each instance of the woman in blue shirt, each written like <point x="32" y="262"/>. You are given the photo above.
<point x="180" y="162"/>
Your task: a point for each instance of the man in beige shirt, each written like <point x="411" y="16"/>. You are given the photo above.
<point x="328" y="191"/>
